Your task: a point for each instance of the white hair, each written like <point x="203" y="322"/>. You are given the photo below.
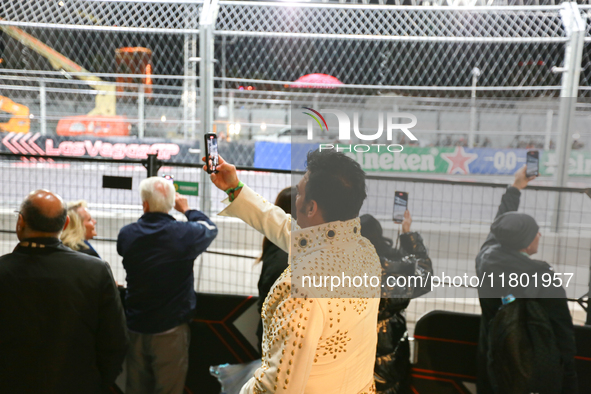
<point x="159" y="193"/>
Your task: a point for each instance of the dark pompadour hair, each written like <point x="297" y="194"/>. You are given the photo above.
<point x="37" y="221"/>
<point x="337" y="184"/>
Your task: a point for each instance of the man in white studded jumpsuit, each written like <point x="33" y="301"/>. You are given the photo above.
<point x="315" y="341"/>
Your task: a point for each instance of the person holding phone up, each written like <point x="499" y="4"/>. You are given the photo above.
<point x="392" y="369"/>
<point x="507" y="251"/>
<point x="158" y="256"/>
<point x="315" y="344"/>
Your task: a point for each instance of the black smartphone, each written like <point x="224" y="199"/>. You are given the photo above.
<point x="211" y="152"/>
<point x="532" y="162"/>
<point x="400" y="206"/>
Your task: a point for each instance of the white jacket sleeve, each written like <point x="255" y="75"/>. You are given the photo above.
<point x="289" y="356"/>
<point x="262" y="215"/>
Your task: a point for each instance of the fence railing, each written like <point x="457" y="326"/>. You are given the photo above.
<point x="453" y="217"/>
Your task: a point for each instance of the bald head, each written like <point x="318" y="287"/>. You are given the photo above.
<point x="43" y="214"/>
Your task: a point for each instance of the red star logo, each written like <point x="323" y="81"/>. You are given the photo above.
<point x="458" y="161"/>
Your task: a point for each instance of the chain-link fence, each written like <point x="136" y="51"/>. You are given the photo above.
<point x="458" y="55"/>
<point x="453" y="218"/>
<point x="147" y="50"/>
<point x="446" y="54"/>
<point x="395" y="49"/>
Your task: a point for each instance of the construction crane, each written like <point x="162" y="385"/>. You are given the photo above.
<point x="102" y="120"/>
<point x="19" y="122"/>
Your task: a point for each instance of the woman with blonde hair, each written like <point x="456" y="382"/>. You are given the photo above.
<point x="75" y="236"/>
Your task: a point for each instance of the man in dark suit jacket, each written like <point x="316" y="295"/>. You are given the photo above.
<point x="63" y="328"/>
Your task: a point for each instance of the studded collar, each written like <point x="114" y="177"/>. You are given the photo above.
<point x="324" y="235"/>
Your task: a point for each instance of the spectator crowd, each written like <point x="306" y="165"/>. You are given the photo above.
<point x="66" y="329"/>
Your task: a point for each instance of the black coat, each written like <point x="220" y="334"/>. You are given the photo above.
<point x="63" y="328"/>
<point x="89" y="251"/>
<point x="494" y="258"/>
<point x="392" y="369"/>
<point x="274" y="263"/>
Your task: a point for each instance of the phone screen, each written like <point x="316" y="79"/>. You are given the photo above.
<point x="400" y="206"/>
<point x="212" y="152"/>
<point x="532" y="163"/>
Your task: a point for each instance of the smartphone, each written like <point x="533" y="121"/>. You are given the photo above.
<point x="400" y="206"/>
<point x="532" y="162"/>
<point x="211" y="152"/>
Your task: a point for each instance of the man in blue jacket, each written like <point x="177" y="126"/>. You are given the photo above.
<point x="158" y="255"/>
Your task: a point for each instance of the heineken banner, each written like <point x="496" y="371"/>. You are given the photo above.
<point x="445" y="160"/>
<point x="579" y="164"/>
<point x="430" y="160"/>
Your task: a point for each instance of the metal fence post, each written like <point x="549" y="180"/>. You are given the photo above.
<point x="231" y="110"/>
<point x="152" y="164"/>
<point x="140" y="111"/>
<point x="206" y="74"/>
<point x="43" y="109"/>
<point x="548" y="137"/>
<point x="575" y="29"/>
<point x="475" y="74"/>
<point x="193" y="87"/>
<point x="186" y="94"/>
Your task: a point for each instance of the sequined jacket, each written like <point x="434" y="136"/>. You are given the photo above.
<point x="322" y="342"/>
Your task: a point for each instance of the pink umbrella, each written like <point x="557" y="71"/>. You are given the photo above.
<point x="325" y="81"/>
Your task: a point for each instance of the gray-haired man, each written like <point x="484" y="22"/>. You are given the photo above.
<point x="158" y="255"/>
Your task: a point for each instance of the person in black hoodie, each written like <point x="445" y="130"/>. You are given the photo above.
<point x="273" y="258"/>
<point x="392" y="369"/>
<point x="514" y="237"/>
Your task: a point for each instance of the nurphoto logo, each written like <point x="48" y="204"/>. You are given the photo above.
<point x="344" y="133"/>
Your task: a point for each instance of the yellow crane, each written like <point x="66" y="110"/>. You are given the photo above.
<point x="19" y="122"/>
<point x="102" y="119"/>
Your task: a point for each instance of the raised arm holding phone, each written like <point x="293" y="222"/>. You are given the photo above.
<point x="503" y="361"/>
<point x="313" y="345"/>
<point x="158" y="256"/>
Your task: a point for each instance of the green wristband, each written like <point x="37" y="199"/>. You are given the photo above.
<point x="230" y="192"/>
